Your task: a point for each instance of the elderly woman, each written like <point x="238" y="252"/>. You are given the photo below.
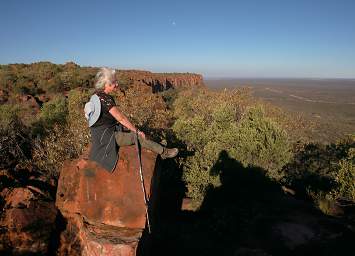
<point x="106" y="124"/>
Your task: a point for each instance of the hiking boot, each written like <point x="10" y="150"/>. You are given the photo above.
<point x="163" y="142"/>
<point x="169" y="153"/>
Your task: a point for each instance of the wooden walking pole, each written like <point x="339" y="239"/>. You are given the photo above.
<point x="142" y="180"/>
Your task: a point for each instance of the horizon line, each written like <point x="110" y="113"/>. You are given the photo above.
<point x="205" y="77"/>
<point x="275" y="77"/>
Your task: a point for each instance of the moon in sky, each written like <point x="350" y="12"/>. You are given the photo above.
<point x="173" y="23"/>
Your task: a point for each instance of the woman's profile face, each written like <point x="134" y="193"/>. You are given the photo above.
<point x="112" y="86"/>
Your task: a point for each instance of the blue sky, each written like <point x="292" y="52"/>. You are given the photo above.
<point x="265" y="38"/>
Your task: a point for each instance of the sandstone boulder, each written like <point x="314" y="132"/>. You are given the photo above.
<point x="113" y="198"/>
<point x="105" y="212"/>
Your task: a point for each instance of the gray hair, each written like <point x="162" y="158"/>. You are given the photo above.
<point x="104" y="76"/>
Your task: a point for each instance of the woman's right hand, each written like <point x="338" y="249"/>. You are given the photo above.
<point x="141" y="134"/>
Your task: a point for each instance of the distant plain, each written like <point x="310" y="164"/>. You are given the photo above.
<point x="330" y="103"/>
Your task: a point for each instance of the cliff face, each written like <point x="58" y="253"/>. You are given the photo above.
<point x="162" y="81"/>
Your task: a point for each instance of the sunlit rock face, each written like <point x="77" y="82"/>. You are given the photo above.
<point x="105" y="212"/>
<point x="163" y="81"/>
<point x="85" y="239"/>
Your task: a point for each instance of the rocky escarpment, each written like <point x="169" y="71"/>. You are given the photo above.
<point x="161" y="81"/>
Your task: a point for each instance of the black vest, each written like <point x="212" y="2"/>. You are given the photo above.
<point x="104" y="149"/>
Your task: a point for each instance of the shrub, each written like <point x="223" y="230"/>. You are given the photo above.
<point x="77" y="124"/>
<point x="51" y="151"/>
<point x="326" y="203"/>
<point x="312" y="165"/>
<point x="323" y="172"/>
<point x="345" y="177"/>
<point x="66" y="139"/>
<point x="54" y="112"/>
<point x="8" y="115"/>
<point x="15" y="143"/>
<point x="54" y="85"/>
<point x="41" y="77"/>
<point x="146" y="110"/>
<point x="211" y="122"/>
<point x="262" y="143"/>
<point x="169" y="96"/>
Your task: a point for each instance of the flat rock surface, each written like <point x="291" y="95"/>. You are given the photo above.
<point x="115" y="198"/>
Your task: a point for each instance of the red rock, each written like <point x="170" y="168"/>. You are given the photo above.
<point x="19" y="197"/>
<point x="162" y="81"/>
<point x="82" y="238"/>
<point x="29" y="102"/>
<point x="43" y="98"/>
<point x="4" y="95"/>
<point x="110" y="198"/>
<point x="105" y="212"/>
<point x="187" y="205"/>
<point x="27" y="223"/>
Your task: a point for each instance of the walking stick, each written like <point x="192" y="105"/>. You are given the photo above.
<point x="142" y="180"/>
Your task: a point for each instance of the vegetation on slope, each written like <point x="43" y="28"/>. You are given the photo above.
<point x="212" y="122"/>
<point x="203" y="122"/>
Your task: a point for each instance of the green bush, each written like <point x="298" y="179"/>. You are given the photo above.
<point x="51" y="151"/>
<point x="77" y="124"/>
<point x="345" y="177"/>
<point x="169" y="96"/>
<point x="40" y="77"/>
<point x="15" y="145"/>
<point x="146" y="110"/>
<point x="212" y="122"/>
<point x="54" y="112"/>
<point x="326" y="203"/>
<point x="68" y="136"/>
<point x="323" y="173"/>
<point x="54" y="85"/>
<point x="8" y="115"/>
<point x="262" y="143"/>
